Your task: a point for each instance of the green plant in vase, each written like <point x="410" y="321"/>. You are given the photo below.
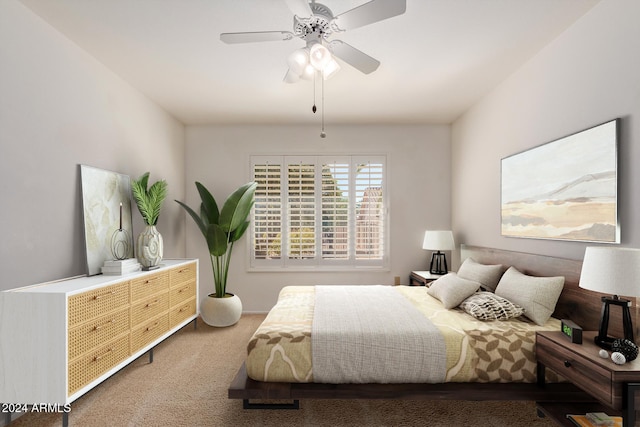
<point x="150" y="246"/>
<point x="221" y="229"/>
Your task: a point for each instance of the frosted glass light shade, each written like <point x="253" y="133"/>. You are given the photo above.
<point x="438" y="240"/>
<point x="298" y="60"/>
<point x="614" y="271"/>
<point x="319" y="56"/>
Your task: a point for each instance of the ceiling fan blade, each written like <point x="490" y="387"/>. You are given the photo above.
<point x="368" y="13"/>
<point x="300" y="8"/>
<point x="354" y="57"/>
<point x="259" y="36"/>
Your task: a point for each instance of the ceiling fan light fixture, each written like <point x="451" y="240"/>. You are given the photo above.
<point x="319" y="56"/>
<point x="308" y="72"/>
<point x="330" y="69"/>
<point x="298" y="60"/>
<point x="291" y="77"/>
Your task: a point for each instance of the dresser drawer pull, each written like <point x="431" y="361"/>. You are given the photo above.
<point x="98" y="327"/>
<point x="183" y="270"/>
<point x="155" y="325"/>
<point x="97" y="297"/>
<point x="150" y="280"/>
<point x="186" y="288"/>
<point x="149" y="304"/>
<point x="567" y="364"/>
<point x="97" y="358"/>
<point x="186" y="307"/>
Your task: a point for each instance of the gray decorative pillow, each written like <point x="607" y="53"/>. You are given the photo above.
<point x="537" y="295"/>
<point x="451" y="290"/>
<point x="489" y="306"/>
<point x="487" y="275"/>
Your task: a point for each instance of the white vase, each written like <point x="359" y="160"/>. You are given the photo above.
<point x="150" y="247"/>
<point x="221" y="312"/>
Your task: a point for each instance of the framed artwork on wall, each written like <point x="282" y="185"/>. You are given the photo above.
<point x="106" y="204"/>
<point x="566" y="189"/>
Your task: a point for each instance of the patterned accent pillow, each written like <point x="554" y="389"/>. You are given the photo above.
<point x="489" y="306"/>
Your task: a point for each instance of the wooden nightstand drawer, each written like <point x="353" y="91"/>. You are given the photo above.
<point x="581" y="371"/>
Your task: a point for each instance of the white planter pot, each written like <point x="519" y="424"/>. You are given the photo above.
<point x="221" y="312"/>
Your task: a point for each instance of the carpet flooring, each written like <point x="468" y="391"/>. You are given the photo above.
<point x="186" y="385"/>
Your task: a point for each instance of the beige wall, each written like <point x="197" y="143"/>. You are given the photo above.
<point x="59" y="107"/>
<point x="587" y="76"/>
<point x="418" y="159"/>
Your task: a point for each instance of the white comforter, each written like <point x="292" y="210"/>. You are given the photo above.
<point x="365" y="334"/>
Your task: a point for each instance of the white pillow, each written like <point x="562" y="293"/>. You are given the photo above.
<point x="451" y="290"/>
<point x="489" y="306"/>
<point x="537" y="295"/>
<point x="487" y="274"/>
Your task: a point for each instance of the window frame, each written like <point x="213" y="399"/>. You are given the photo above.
<point x="318" y="263"/>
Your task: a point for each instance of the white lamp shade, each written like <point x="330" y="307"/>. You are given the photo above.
<point x="331" y="68"/>
<point x="614" y="271"/>
<point x="438" y="240"/>
<point x="298" y="60"/>
<point x="319" y="56"/>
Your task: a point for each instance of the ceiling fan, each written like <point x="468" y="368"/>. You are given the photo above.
<point x="315" y="23"/>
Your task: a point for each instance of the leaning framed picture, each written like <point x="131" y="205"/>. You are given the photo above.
<point x="566" y="189"/>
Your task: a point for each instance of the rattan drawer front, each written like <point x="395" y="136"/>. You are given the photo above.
<point x="182" y="293"/>
<point x="92" y="304"/>
<point x="149" y="285"/>
<point x="97" y="362"/>
<point x="97" y="331"/>
<point x="148" y="308"/>
<point x="182" y="312"/>
<point x="182" y="274"/>
<point x="149" y="331"/>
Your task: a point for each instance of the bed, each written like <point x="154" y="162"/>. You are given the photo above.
<point x="472" y="364"/>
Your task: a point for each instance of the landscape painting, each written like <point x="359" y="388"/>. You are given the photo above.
<point x="566" y="189"/>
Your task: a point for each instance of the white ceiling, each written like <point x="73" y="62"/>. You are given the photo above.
<point x="437" y="59"/>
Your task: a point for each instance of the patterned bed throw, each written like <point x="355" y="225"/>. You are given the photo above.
<point x="365" y="334"/>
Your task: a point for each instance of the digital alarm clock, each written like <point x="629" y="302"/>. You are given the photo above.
<point x="571" y="331"/>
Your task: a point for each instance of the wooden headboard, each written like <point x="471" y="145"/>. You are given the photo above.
<point x="577" y="304"/>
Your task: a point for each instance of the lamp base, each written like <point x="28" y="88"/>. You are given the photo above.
<point x="602" y="339"/>
<point x="438" y="263"/>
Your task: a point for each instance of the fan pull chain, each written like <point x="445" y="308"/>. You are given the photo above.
<point x="314" y="109"/>
<point x="322" y="133"/>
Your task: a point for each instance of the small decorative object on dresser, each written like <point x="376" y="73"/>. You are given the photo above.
<point x="221" y="229"/>
<point x="150" y="246"/>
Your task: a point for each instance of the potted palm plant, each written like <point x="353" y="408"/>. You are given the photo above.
<point x="150" y="246"/>
<point x="221" y="229"/>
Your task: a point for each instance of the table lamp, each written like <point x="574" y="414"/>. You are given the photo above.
<point x="614" y="271"/>
<point x="438" y="240"/>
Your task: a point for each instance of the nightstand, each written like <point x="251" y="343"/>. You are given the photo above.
<point x="422" y="278"/>
<point x="614" y="386"/>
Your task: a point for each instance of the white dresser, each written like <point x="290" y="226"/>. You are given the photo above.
<point x="59" y="340"/>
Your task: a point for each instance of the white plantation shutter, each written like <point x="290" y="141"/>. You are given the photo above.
<point x="369" y="210"/>
<point x="335" y="211"/>
<point x="301" y="211"/>
<point x="267" y="211"/>
<point x="319" y="211"/>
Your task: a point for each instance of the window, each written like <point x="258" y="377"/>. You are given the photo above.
<point x="322" y="211"/>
